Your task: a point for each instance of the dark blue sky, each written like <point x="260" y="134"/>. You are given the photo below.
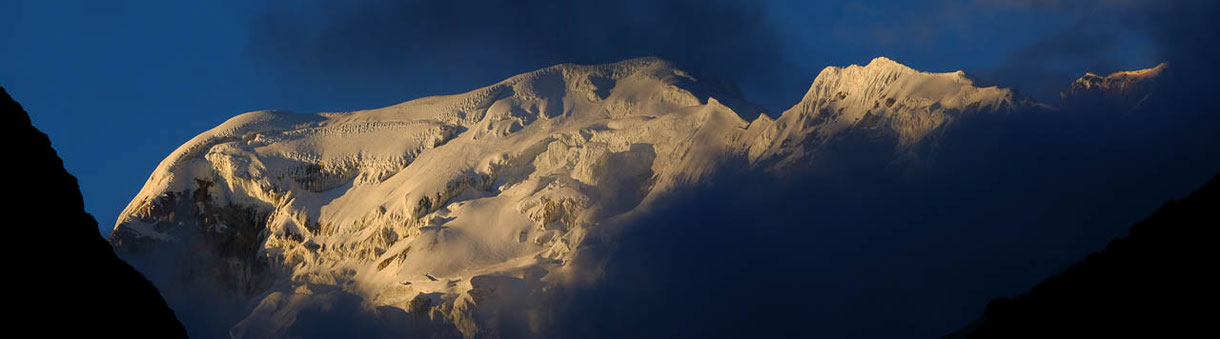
<point x="118" y="85"/>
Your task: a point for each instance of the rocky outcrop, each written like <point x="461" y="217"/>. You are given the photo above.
<point x="79" y="286"/>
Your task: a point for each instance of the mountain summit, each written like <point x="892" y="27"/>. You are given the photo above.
<point x="1129" y="89"/>
<point x="1118" y="83"/>
<point x="883" y="99"/>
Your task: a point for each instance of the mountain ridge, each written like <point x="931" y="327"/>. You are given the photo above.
<point x="441" y="204"/>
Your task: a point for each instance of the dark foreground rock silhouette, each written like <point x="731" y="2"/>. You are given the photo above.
<point x="1158" y="282"/>
<point x="65" y="277"/>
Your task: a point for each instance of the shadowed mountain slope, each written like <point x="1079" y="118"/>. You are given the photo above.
<point x="74" y="280"/>
<point x="1156" y="282"/>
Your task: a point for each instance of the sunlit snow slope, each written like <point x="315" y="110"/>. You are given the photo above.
<point x="434" y="205"/>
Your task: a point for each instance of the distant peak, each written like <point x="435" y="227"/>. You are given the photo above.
<point x="1138" y="74"/>
<point x="644" y="61"/>
<point x="886" y="65"/>
<point x="627" y="65"/>
<point x="883" y="76"/>
<point x="888" y="95"/>
<point x="876" y="64"/>
<point x="884" y="62"/>
<point x="1117" y="83"/>
<point x="651" y="59"/>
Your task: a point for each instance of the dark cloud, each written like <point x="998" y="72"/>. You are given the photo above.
<point x="1046" y="67"/>
<point x="1186" y="34"/>
<point x="389" y="43"/>
<point x="396" y="50"/>
<point x="857" y="248"/>
<point x="861" y="250"/>
<point x="1182" y="33"/>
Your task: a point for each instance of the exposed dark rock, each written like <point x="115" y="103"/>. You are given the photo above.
<point x="73" y="279"/>
<point x="1158" y="282"/>
<point x="230" y="234"/>
<point x="213" y="261"/>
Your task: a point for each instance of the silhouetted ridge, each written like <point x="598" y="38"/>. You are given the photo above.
<point x="1157" y="282"/>
<point x="68" y="276"/>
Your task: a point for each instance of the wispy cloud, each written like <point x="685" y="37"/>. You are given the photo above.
<point x="388" y="41"/>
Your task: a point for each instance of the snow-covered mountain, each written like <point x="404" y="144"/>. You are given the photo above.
<point x="1116" y="83"/>
<point x="435" y="210"/>
<point x="884" y="99"/>
<point x="1130" y="89"/>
